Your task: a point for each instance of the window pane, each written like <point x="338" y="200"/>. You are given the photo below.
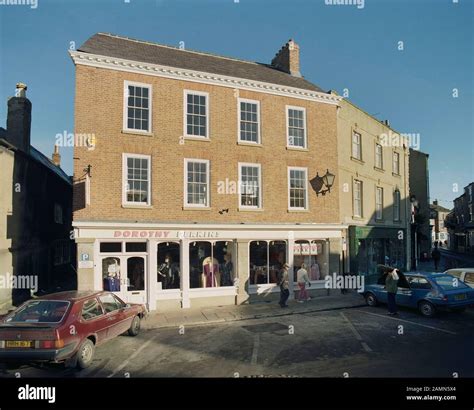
<point x="111" y="274"/>
<point x="296" y="128"/>
<point x="110" y="247"/>
<point x="135" y="247"/>
<point x="169" y="272"/>
<point x="196" y="117"/>
<point x="258" y="262"/>
<point x="136" y="274"/>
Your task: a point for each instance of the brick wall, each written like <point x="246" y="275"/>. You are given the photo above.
<point x="99" y="108"/>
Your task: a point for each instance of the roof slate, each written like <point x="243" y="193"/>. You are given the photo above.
<point x="129" y="49"/>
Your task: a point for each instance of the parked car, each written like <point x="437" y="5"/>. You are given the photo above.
<point x="428" y="292"/>
<point x="66" y="326"/>
<point x="464" y="274"/>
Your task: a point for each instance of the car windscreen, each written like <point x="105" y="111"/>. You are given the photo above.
<point x="447" y="282"/>
<point x="40" y="311"/>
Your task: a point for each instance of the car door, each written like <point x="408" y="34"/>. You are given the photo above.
<point x="419" y="288"/>
<point x="113" y="318"/>
<point x="93" y="320"/>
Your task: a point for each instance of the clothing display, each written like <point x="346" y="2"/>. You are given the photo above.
<point x="227" y="273"/>
<point x="112" y="284"/>
<point x="315" y="272"/>
<point x="211" y="276"/>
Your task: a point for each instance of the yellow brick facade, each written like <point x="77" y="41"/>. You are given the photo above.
<point x="99" y="111"/>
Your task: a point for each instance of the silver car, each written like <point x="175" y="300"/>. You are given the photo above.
<point x="464" y="274"/>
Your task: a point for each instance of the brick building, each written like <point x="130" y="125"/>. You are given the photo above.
<point x="201" y="182"/>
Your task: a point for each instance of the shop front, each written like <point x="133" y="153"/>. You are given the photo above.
<point x="371" y="246"/>
<point x="171" y="267"/>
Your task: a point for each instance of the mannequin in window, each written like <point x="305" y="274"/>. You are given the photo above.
<point x="211" y="276"/>
<point x="169" y="273"/>
<point x="227" y="271"/>
<point x="315" y="273"/>
<point x="112" y="280"/>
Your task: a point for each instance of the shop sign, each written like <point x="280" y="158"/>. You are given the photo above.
<point x="307" y="249"/>
<point x="165" y="234"/>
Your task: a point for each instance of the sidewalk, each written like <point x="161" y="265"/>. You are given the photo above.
<point x="219" y="314"/>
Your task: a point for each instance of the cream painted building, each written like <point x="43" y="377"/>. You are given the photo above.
<point x="374" y="194"/>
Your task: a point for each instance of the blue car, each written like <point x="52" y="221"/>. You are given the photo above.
<point x="427" y="292"/>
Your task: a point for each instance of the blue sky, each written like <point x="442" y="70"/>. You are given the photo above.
<point x="342" y="47"/>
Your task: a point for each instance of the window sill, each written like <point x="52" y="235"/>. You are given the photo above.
<point x="297" y="210"/>
<point x="196" y="208"/>
<point x="250" y="209"/>
<point x="395" y="174"/>
<point x="196" y="138"/>
<point x="132" y="206"/>
<point x="297" y="149"/>
<point x="358" y="218"/>
<point x="136" y="132"/>
<point x="379" y="169"/>
<point x="250" y="144"/>
<point x="357" y="160"/>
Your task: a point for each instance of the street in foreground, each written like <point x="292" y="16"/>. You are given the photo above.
<point x="357" y="342"/>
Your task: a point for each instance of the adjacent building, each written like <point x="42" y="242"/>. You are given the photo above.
<point x="420" y="207"/>
<point x="373" y="192"/>
<point x="439" y="233"/>
<point x="36" y="250"/>
<point x="206" y="176"/>
<point x="460" y="222"/>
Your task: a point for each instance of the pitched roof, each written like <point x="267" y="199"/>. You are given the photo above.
<point x="111" y="45"/>
<point x="439" y="208"/>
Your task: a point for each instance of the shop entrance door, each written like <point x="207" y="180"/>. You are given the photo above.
<point x="135" y="288"/>
<point x="126" y="277"/>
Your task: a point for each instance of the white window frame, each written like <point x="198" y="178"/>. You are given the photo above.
<point x="396" y="205"/>
<point x="376" y="156"/>
<point x="185" y="182"/>
<point x="185" y="114"/>
<point x="255" y="165"/>
<point x="361" y="199"/>
<point x="125" y="156"/>
<point x="259" y="130"/>
<point x="396" y="154"/>
<point x="293" y="107"/>
<point x="126" y="83"/>
<point x="290" y="208"/>
<point x="378" y="213"/>
<point x="359" y="145"/>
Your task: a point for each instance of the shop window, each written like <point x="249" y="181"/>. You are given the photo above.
<point x="266" y="261"/>
<point x="136" y="273"/>
<point x="111" y="274"/>
<point x="111" y="247"/>
<point x="135" y="247"/>
<point x="169" y="272"/>
<point x="312" y="255"/>
<point x="211" y="264"/>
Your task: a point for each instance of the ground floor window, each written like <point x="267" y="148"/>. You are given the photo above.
<point x="266" y="259"/>
<point x="136" y="273"/>
<point x="111" y="274"/>
<point x="211" y="264"/>
<point x="383" y="251"/>
<point x="169" y="270"/>
<point x="311" y="254"/>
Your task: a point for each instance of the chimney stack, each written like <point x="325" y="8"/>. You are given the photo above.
<point x="56" y="156"/>
<point x="19" y="119"/>
<point x="435" y="202"/>
<point x="288" y="59"/>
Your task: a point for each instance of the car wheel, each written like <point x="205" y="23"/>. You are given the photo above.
<point x="370" y="299"/>
<point x="85" y="354"/>
<point x="426" y="309"/>
<point x="134" y="327"/>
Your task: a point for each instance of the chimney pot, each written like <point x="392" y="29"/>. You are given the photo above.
<point x="19" y="119"/>
<point x="56" y="158"/>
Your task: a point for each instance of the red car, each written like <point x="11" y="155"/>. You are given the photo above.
<point x="66" y="326"/>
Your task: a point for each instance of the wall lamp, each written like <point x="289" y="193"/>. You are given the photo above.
<point x="323" y="184"/>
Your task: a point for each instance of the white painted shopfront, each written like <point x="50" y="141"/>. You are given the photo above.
<point x="170" y="266"/>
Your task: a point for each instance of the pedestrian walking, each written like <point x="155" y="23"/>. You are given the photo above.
<point x="436" y="255"/>
<point x="284" y="285"/>
<point x="302" y="279"/>
<point x="391" y="285"/>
